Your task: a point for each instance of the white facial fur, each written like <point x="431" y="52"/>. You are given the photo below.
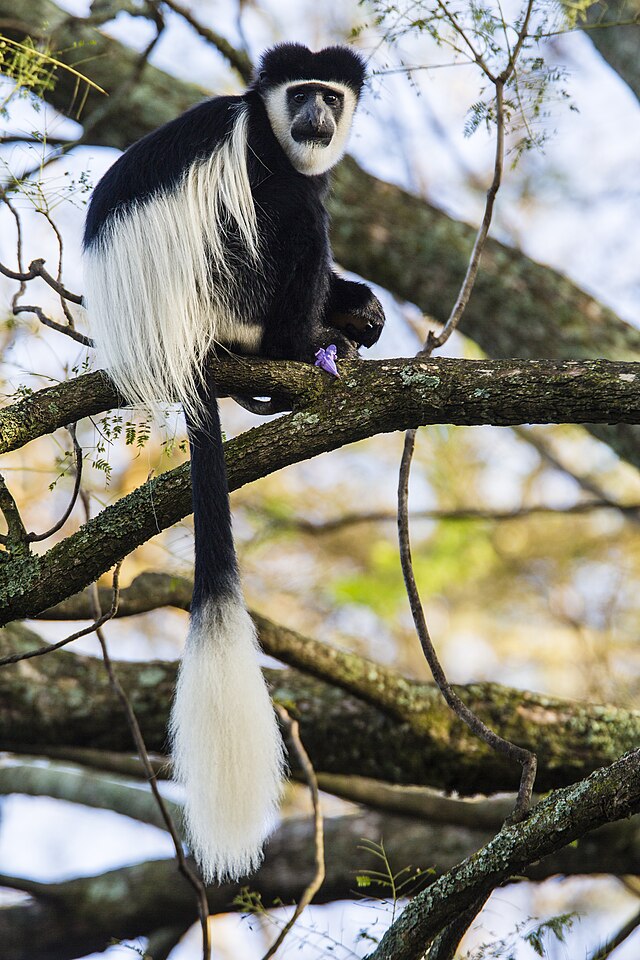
<point x="311" y="159"/>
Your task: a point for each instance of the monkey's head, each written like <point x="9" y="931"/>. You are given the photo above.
<point x="310" y="99"/>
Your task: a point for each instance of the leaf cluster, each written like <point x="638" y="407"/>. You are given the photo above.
<point x="479" y="33"/>
<point x="31" y="69"/>
<point x="536" y="937"/>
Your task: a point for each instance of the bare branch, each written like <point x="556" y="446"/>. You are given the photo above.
<point x="76" y="785"/>
<point x="134" y="726"/>
<point x="421" y="802"/>
<point x="61" y="922"/>
<point x="344" y="521"/>
<point x="371" y="397"/>
<point x="93" y="627"/>
<point x="524" y="757"/>
<point x="37" y="269"/>
<point x="520" y="755"/>
<point x="53" y="324"/>
<point x="238" y="59"/>
<point x="66" y="701"/>
<point x="316" y="882"/>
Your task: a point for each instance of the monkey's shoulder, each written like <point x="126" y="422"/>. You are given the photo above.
<point x="157" y="163"/>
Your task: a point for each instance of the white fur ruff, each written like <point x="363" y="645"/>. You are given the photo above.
<point x="159" y="285"/>
<point x="227" y="748"/>
<point x="311" y="159"/>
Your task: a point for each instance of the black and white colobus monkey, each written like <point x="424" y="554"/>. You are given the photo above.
<point x="212" y="232"/>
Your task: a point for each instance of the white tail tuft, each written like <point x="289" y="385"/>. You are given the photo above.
<point x="227" y="748"/>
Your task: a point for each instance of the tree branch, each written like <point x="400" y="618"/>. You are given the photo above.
<point x="381" y="232"/>
<point x="65" y="700"/>
<point x="64" y="921"/>
<point x="609" y="794"/>
<point x="614" y="29"/>
<point x="371" y="397"/>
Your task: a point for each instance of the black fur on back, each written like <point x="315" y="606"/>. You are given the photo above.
<point x="158" y="161"/>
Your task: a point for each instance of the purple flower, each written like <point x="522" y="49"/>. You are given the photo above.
<point x="327" y="359"/>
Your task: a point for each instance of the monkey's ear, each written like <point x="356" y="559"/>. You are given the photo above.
<point x="262" y="76"/>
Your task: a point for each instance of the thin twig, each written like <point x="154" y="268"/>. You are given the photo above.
<point x="183" y="866"/>
<point x="453" y="20"/>
<point x="36" y="269"/>
<point x="50" y="647"/>
<point x="527" y="759"/>
<point x="37" y="537"/>
<point x="511" y="750"/>
<point x="318" y="878"/>
<point x="48" y="322"/>
<point x="63" y="303"/>
<point x="433" y="342"/>
<point x="16" y="216"/>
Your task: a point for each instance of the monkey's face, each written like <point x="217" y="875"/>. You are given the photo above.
<point x="311" y="121"/>
<point x="314" y="112"/>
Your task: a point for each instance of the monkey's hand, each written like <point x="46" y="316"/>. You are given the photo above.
<point x="356" y="310"/>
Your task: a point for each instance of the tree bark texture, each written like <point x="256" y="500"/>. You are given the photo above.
<point x="618" y="44"/>
<point x="609" y="794"/>
<point x="66" y="920"/>
<point x="66" y="700"/>
<point x="371" y="397"/>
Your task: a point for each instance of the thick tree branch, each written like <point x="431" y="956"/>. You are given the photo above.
<point x="65" y="700"/>
<point x="371" y="397"/>
<point x="617" y="44"/>
<point x="238" y="59"/>
<point x="91" y="789"/>
<point x="46" y="410"/>
<point x="609" y="794"/>
<point x="95" y="55"/>
<point x="147" y="591"/>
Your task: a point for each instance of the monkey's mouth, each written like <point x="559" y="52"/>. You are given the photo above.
<point x="316" y="137"/>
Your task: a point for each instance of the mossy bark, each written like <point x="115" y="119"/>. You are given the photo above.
<point x="402" y="732"/>
<point x="83" y="915"/>
<point x="371" y="397"/>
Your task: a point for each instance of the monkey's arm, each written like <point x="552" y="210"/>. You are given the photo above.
<point x="355" y="309"/>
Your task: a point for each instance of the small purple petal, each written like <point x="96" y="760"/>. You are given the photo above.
<point x="326" y="359"/>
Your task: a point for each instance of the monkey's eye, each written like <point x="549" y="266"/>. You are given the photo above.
<point x="299" y="97"/>
<point x="330" y="98"/>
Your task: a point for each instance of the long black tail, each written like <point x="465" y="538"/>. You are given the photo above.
<point x="226" y="744"/>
